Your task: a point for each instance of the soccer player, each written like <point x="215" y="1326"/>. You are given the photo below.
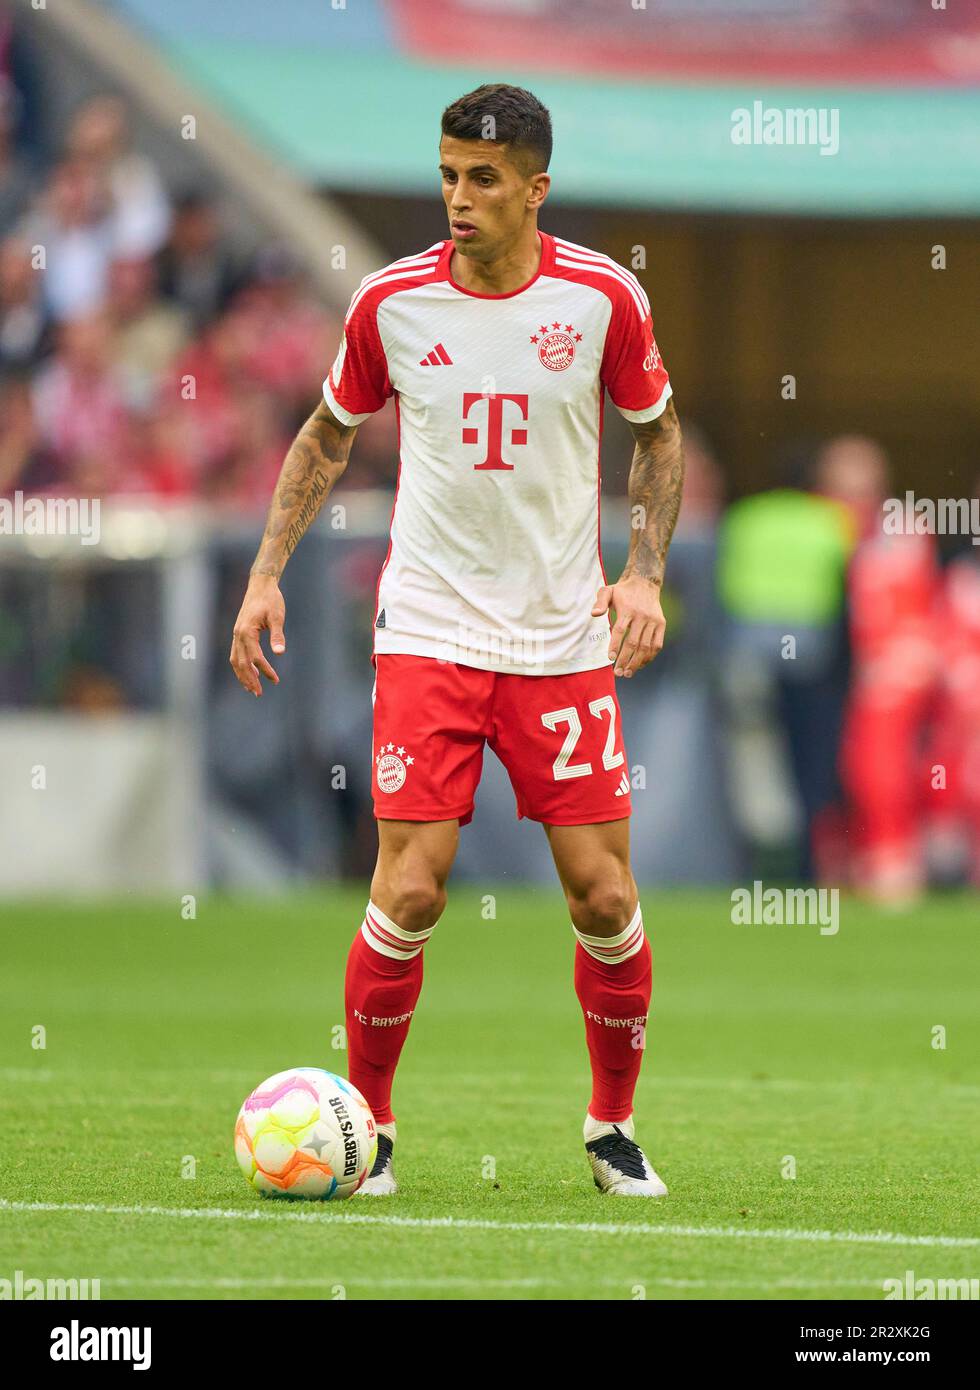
<point x="493" y="618"/>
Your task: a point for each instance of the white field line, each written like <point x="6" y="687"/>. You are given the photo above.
<point x="452" y="1223"/>
<point x="452" y="1281"/>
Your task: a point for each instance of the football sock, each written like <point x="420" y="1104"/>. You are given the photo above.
<point x="384" y="979"/>
<point x="613" y="977"/>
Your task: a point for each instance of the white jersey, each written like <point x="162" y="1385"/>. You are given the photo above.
<point x="494" y="558"/>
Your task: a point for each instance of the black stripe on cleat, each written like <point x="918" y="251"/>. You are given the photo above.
<point x="620" y="1153"/>
<point x="385" y="1150"/>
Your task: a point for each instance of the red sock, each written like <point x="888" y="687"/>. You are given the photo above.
<point x="384" y="979"/>
<point x="613" y="983"/>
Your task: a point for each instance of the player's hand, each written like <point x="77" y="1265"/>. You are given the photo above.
<point x="263" y="609"/>
<point x="638" y="633"/>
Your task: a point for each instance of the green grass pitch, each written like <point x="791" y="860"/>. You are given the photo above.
<point x="770" y="1048"/>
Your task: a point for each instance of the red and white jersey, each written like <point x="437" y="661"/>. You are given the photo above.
<point x="494" y="558"/>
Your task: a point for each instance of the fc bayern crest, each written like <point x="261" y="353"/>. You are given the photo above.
<point x="392" y="766"/>
<point x="556" y="345"/>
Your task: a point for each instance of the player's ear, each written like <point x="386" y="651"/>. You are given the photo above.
<point x="538" y="190"/>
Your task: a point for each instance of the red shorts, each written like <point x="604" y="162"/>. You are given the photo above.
<point x="559" y="737"/>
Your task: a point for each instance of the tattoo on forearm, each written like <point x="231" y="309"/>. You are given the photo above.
<point x="316" y="459"/>
<point x="319" y="487"/>
<point x="655" y="485"/>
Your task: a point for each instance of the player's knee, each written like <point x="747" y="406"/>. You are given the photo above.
<point x="419" y="901"/>
<point x="606" y="905"/>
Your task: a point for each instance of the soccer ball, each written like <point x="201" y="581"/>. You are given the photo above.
<point x="306" y="1133"/>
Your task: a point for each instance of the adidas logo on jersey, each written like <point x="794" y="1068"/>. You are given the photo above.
<point x="438" y="357"/>
<point x="624" y="786"/>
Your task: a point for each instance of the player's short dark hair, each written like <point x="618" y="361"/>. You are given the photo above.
<point x="517" y="119"/>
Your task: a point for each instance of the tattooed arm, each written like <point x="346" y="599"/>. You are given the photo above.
<point x="316" y="459"/>
<point x="656" y="480"/>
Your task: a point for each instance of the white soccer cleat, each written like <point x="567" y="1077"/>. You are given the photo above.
<point x="380" y="1182"/>
<point x="618" y="1164"/>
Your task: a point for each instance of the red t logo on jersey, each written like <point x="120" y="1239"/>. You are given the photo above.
<point x="495" y="427"/>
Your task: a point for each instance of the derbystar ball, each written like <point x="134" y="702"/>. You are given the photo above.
<point x="306" y="1133"/>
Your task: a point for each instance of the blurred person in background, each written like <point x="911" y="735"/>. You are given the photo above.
<point x="681" y="722"/>
<point x="291" y="334"/>
<point x="99" y="140"/>
<point x="781" y="571"/>
<point x="16" y="175"/>
<point x="695" y="555"/>
<point x="72" y="221"/>
<point x="196" y="270"/>
<point x="704" y="483"/>
<point x="207" y="376"/>
<point x="24" y="463"/>
<point x="162" y="447"/>
<point x="80" y="408"/>
<point x="260" y="435"/>
<point x="953" y="755"/>
<point x="148" y="332"/>
<point x="25" y="328"/>
<point x="893" y="598"/>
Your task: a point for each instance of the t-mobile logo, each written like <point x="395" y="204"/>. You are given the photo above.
<point x="495" y="427"/>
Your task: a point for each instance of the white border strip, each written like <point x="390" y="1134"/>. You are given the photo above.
<point x="443" y="1223"/>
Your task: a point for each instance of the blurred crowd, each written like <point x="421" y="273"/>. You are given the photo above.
<point x="848" y="671"/>
<point x="139" y="354"/>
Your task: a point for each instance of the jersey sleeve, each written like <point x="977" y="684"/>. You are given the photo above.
<point x="358" y="384"/>
<point x="632" y="369"/>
